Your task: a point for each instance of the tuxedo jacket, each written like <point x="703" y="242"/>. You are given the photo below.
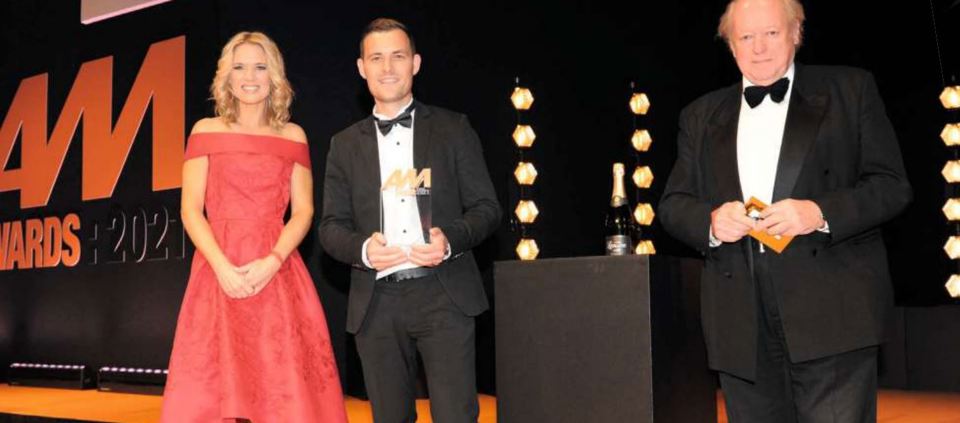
<point x="464" y="204"/>
<point x="839" y="150"/>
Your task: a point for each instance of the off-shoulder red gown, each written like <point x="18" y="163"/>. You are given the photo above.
<point x="266" y="358"/>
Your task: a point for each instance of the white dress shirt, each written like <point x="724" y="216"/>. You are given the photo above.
<point x="759" y="136"/>
<point x="399" y="214"/>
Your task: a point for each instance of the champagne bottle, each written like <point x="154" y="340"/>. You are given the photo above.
<point x="618" y="222"/>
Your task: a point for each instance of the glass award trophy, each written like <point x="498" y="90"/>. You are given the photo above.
<point x="405" y="189"/>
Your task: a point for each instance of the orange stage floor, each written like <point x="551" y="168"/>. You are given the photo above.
<point x="903" y="407"/>
<point x="894" y="406"/>
<point x="129" y="408"/>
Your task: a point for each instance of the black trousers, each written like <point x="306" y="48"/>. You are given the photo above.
<point x="417" y="315"/>
<point x="840" y="388"/>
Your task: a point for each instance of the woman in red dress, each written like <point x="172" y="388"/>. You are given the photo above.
<point x="252" y="342"/>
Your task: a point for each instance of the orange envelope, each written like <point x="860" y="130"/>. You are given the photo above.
<point x="776" y="242"/>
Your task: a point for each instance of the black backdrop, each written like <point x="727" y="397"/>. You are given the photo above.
<point x="577" y="57"/>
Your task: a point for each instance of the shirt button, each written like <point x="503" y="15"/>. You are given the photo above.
<point x="404" y="231"/>
<point x="398" y="142"/>
<point x="403" y="200"/>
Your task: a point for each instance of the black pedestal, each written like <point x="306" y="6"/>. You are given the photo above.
<point x="601" y="339"/>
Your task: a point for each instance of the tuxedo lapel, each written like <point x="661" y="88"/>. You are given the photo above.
<point x="722" y="136"/>
<point x="421" y="136"/>
<point x="369" y="152"/>
<point x="803" y="122"/>
<point x="369" y="174"/>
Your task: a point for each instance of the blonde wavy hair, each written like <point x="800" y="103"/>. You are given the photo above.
<point x="281" y="93"/>
<point x="793" y="9"/>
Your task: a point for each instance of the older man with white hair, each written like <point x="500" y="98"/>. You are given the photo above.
<point x="795" y="333"/>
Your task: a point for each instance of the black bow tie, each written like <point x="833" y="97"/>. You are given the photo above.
<point x="404" y="119"/>
<point x="755" y="94"/>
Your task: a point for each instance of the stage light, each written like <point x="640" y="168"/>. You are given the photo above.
<point x="643" y="214"/>
<point x="641" y="140"/>
<point x="950" y="97"/>
<point x="526" y="211"/>
<point x="522" y="98"/>
<point x="645" y="247"/>
<point x="952" y="209"/>
<point x="51" y="375"/>
<point x="953" y="286"/>
<point x="951" y="172"/>
<point x="952" y="247"/>
<point x="643" y="177"/>
<point x="639" y="104"/>
<point x="525" y="173"/>
<point x="523" y="135"/>
<point x="527" y="249"/>
<point x="951" y="134"/>
<point x="134" y="380"/>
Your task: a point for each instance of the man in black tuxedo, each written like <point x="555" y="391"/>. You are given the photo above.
<point x="794" y="335"/>
<point x="415" y="285"/>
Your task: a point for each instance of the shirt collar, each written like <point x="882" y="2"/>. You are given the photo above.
<point x="385" y="117"/>
<point x="788" y="75"/>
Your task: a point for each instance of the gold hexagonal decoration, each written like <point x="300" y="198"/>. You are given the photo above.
<point x="950" y="97"/>
<point x="951" y="134"/>
<point x="951" y="172"/>
<point x="521" y="98"/>
<point x="643" y="214"/>
<point x="526" y="211"/>
<point x="953" y="286"/>
<point x="643" y="177"/>
<point x="525" y="173"/>
<point x="952" y="247"/>
<point x="527" y="249"/>
<point x="523" y="135"/>
<point x="952" y="209"/>
<point x="645" y="247"/>
<point x="639" y="104"/>
<point x="641" y="140"/>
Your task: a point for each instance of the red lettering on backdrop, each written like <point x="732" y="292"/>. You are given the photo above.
<point x="52" y="241"/>
<point x="71" y="252"/>
<point x="160" y="80"/>
<point x="4" y="242"/>
<point x="39" y="243"/>
<point x="34" y="247"/>
<point x="15" y="257"/>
